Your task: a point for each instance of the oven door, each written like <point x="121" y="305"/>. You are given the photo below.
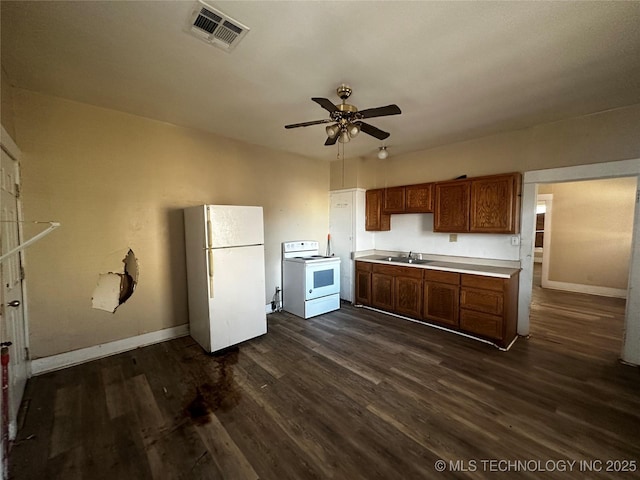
<point x="322" y="279"/>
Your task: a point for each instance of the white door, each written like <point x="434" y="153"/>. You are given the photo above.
<point x="341" y="229"/>
<point x="12" y="314"/>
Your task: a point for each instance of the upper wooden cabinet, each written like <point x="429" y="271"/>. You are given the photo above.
<point x="375" y="220"/>
<point x="495" y="204"/>
<point x="478" y="205"/>
<point x="419" y="198"/>
<point x="488" y="204"/>
<point x="408" y="199"/>
<point x="394" y="200"/>
<point x="451" y="211"/>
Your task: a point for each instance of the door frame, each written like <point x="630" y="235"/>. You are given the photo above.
<point x="547" y="198"/>
<point x="622" y="168"/>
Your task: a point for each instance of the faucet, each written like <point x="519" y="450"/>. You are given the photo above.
<point x="409" y="256"/>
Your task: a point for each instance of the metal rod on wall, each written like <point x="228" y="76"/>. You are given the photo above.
<point x="35" y="238"/>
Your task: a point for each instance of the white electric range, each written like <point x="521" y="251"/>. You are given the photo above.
<point x="310" y="281"/>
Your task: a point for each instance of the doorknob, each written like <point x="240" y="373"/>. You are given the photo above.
<point x="14" y="303"/>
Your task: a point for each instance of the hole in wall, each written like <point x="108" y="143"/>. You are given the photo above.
<point x="113" y="289"/>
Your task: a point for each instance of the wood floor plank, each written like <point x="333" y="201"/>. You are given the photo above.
<point x="117" y="398"/>
<point x="67" y="420"/>
<point x="224" y="451"/>
<point x="352" y="394"/>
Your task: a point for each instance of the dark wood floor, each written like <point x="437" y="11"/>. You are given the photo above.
<point x="353" y="394"/>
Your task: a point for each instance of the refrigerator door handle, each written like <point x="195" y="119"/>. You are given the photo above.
<point x="210" y="269"/>
<point x="210" y="251"/>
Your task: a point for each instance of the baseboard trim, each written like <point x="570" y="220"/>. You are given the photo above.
<point x="43" y="365"/>
<point x="589" y="289"/>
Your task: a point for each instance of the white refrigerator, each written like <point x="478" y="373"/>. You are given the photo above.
<point x="225" y="274"/>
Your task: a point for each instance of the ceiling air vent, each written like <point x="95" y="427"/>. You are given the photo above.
<point x="216" y="28"/>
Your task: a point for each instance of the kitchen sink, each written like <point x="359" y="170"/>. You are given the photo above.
<point x="416" y="261"/>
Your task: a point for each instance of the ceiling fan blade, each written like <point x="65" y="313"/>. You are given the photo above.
<point x="380" y="111"/>
<point x="326" y="104"/>
<point x="331" y="141"/>
<point x="306" y="124"/>
<point x="373" y="131"/>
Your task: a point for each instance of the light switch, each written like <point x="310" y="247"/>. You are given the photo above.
<point x="515" y="240"/>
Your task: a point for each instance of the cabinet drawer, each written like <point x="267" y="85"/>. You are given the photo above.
<point x="478" y="281"/>
<point x="451" y="278"/>
<point x="398" y="271"/>
<point x="482" y="300"/>
<point x="364" y="266"/>
<point x="481" y="324"/>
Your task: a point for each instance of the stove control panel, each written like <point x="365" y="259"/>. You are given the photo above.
<point x="300" y="246"/>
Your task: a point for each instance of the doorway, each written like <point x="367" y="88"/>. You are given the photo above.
<point x="626" y="168"/>
<point x="581" y="265"/>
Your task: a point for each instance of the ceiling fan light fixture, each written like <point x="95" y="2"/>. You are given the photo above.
<point x="346" y="120"/>
<point x="332" y="131"/>
<point x="382" y="153"/>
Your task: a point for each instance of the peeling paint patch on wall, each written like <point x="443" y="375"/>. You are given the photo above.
<point x="113" y="289"/>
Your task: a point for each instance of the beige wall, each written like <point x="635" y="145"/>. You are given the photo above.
<point x="116" y="181"/>
<point x="591" y="231"/>
<point x="602" y="137"/>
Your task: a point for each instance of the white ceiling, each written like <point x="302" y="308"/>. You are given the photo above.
<point x="458" y="70"/>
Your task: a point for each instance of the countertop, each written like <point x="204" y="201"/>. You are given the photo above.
<point x="473" y="269"/>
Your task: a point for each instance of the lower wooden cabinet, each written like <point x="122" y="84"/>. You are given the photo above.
<point x="363" y="283"/>
<point x="441" y="297"/>
<point x="397" y="289"/>
<point x="382" y="291"/>
<point x="408" y="294"/>
<point x="483" y="306"/>
<point x="489" y="307"/>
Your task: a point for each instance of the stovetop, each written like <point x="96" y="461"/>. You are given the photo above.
<point x="312" y="259"/>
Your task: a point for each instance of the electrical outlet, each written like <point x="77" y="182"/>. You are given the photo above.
<point x="453" y="237"/>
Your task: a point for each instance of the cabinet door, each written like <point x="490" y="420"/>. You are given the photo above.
<point x="495" y="204"/>
<point x="375" y="220"/>
<point x="363" y="286"/>
<point x="441" y="303"/>
<point x="451" y="210"/>
<point x="382" y="291"/>
<point x="419" y="198"/>
<point x="393" y="200"/>
<point x="408" y="296"/>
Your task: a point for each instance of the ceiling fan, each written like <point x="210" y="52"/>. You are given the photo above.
<point x="347" y="120"/>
